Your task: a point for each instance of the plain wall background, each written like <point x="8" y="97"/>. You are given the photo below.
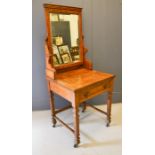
<point x="102" y="27"/>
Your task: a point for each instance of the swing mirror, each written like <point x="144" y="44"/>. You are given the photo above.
<point x="64" y="29"/>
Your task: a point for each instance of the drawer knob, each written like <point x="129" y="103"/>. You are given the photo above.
<point x="103" y="87"/>
<point x="86" y="94"/>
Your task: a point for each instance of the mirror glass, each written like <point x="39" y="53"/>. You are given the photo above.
<point x="65" y="38"/>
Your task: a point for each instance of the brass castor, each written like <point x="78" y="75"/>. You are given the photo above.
<point x="54" y="123"/>
<point x="83" y="110"/>
<point x="108" y="124"/>
<point x="75" y="145"/>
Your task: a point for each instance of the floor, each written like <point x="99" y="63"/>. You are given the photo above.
<point x="96" y="138"/>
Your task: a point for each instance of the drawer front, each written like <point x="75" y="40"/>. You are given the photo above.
<point x="61" y="91"/>
<point x="94" y="90"/>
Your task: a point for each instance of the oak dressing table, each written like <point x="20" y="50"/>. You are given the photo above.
<point x="68" y="72"/>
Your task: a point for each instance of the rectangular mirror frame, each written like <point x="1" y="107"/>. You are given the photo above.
<point x="50" y="8"/>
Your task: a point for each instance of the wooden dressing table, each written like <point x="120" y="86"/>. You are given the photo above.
<point x="70" y="75"/>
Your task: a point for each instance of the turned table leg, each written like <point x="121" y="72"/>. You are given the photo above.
<point x="52" y="107"/>
<point x="84" y="107"/>
<point x="76" y="125"/>
<point x="109" y="102"/>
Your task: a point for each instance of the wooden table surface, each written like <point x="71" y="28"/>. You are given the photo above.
<point x="80" y="78"/>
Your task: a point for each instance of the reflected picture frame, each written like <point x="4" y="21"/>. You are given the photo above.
<point x="55" y="60"/>
<point x="66" y="58"/>
<point x="56" y="51"/>
<point x="63" y="49"/>
<point x="75" y="53"/>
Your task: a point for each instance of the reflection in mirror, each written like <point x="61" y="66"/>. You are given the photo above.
<point x="65" y="36"/>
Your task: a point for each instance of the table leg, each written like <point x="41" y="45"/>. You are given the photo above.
<point x="76" y="124"/>
<point x="109" y="102"/>
<point x="52" y="106"/>
<point x="84" y="107"/>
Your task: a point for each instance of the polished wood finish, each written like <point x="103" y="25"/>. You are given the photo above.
<point x="109" y="107"/>
<point x="75" y="82"/>
<point x="52" y="107"/>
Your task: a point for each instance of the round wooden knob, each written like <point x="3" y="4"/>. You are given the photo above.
<point x="86" y="94"/>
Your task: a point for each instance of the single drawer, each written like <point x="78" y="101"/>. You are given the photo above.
<point x="94" y="90"/>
